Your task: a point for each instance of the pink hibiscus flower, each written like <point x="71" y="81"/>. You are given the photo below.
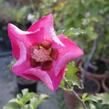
<point x="40" y="53"/>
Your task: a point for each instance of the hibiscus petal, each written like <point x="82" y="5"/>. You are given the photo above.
<point x="42" y="75"/>
<point x="29" y="38"/>
<point x="22" y="68"/>
<point x="66" y="54"/>
<point x="49" y="78"/>
<point x="47" y="23"/>
<point x="15" y="47"/>
<point x="22" y="63"/>
<point x="57" y="79"/>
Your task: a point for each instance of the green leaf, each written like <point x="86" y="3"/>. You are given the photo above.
<point x="71" y="70"/>
<point x="26" y="100"/>
<point x="104" y="97"/>
<point x="71" y="74"/>
<point x="62" y="84"/>
<point x="85" y="97"/>
<point x="12" y="105"/>
<point x="91" y="33"/>
<point x="71" y="77"/>
<point x="92" y="106"/>
<point x="100" y="101"/>
<point x="74" y="32"/>
<point x="34" y="102"/>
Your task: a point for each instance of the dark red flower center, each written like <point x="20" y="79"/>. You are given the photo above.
<point x="43" y="55"/>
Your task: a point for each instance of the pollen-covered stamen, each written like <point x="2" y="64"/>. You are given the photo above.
<point x="41" y="55"/>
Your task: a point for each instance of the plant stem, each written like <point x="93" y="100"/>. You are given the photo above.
<point x="80" y="100"/>
<point x="76" y="95"/>
<point x="88" y="60"/>
<point x="100" y="32"/>
<point x="91" y="54"/>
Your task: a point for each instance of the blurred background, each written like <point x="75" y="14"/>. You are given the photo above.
<point x="81" y="20"/>
<point x="84" y="21"/>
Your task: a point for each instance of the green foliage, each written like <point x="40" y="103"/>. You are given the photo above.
<point x="81" y="20"/>
<point x="22" y="13"/>
<point x="71" y="77"/>
<point x="26" y="100"/>
<point x="76" y="15"/>
<point x="75" y="32"/>
<point x="71" y="72"/>
<point x="98" y="101"/>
